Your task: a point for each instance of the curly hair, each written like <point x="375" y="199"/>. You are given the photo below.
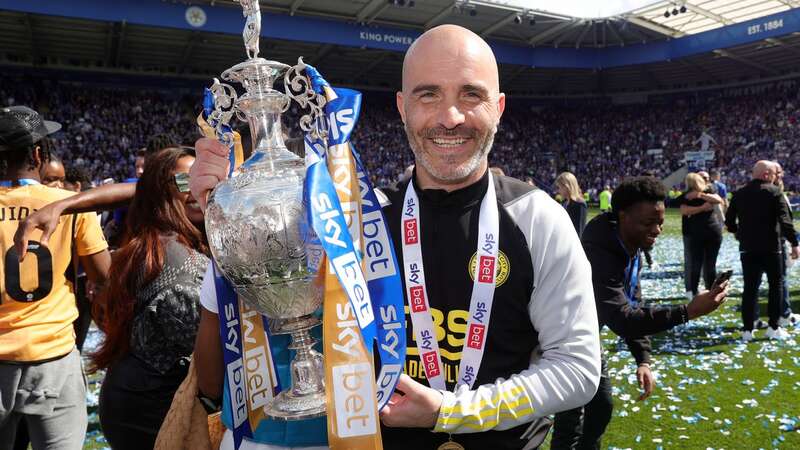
<point x="78" y="175"/>
<point x="636" y="190"/>
<point x="15" y="158"/>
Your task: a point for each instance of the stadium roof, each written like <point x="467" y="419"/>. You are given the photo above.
<point x="679" y="18"/>
<point x="582" y="9"/>
<point x="512" y="21"/>
<point x="38" y="40"/>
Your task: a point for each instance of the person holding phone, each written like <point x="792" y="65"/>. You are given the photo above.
<point x="614" y="243"/>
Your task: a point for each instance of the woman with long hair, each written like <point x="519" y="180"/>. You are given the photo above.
<point x="151" y="308"/>
<point x="702" y="233"/>
<point x="570" y="191"/>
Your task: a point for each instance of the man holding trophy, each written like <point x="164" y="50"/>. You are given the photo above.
<point x="503" y="326"/>
<point x="497" y="288"/>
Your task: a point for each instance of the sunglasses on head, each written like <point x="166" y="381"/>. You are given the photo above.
<point x="182" y="181"/>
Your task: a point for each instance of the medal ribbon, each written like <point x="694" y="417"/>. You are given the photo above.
<point x="480" y="305"/>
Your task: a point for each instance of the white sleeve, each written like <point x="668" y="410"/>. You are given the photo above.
<point x="208" y="292"/>
<point x="565" y="370"/>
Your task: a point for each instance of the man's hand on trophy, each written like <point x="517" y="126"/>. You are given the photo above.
<point x="413" y="406"/>
<point x="210" y="167"/>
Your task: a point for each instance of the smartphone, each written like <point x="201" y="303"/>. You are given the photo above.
<point x="723" y="277"/>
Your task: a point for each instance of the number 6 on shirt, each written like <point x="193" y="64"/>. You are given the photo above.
<point x="44" y="270"/>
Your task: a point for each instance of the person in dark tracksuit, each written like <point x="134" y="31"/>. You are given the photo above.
<point x="614" y="243"/>
<point x="759" y="216"/>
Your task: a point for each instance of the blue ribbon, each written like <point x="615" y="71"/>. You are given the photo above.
<point x="385" y="287"/>
<point x="326" y="215"/>
<point x="208" y="108"/>
<point x="231" y="335"/>
<point x="381" y="269"/>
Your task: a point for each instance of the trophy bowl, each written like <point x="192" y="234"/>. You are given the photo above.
<point x="258" y="231"/>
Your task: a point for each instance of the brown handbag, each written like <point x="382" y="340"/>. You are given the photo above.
<point x="187" y="426"/>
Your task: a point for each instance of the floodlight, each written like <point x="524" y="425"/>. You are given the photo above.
<point x="517" y="19"/>
<point x="683" y="9"/>
<point x="666" y="14"/>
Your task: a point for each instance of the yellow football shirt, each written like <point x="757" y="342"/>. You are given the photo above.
<point x="37" y="306"/>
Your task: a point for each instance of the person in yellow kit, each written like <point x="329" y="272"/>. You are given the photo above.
<point x="605" y="199"/>
<point x="41" y="379"/>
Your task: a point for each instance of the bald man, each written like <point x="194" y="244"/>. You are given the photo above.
<point x="521" y="342"/>
<point x="760" y="216"/>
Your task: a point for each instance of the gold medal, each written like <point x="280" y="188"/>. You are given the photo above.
<point x="451" y="445"/>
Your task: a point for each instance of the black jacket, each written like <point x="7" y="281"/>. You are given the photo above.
<point x="760" y="216"/>
<point x="448" y="243"/>
<point x="577" y="213"/>
<point x="609" y="261"/>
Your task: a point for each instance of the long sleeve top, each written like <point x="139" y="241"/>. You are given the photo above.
<point x="759" y="215"/>
<point x="542" y="350"/>
<point x="609" y="261"/>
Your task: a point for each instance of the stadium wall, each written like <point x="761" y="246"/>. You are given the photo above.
<point x="229" y="20"/>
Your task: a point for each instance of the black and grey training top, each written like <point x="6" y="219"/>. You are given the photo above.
<point x="542" y="351"/>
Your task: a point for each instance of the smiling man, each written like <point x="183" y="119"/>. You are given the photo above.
<point x="614" y="243"/>
<point x="502" y="327"/>
<point x="451" y="106"/>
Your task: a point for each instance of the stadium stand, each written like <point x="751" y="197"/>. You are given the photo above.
<point x="599" y="142"/>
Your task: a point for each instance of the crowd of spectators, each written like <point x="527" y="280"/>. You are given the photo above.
<point x="103" y="127"/>
<point x="600" y="143"/>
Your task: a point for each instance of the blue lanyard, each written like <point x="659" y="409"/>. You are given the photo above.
<point x="632" y="279"/>
<point x="631" y="275"/>
<point x="20" y="182"/>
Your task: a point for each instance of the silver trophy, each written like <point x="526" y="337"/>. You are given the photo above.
<point x="256" y="223"/>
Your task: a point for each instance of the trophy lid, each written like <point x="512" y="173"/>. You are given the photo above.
<point x="256" y="72"/>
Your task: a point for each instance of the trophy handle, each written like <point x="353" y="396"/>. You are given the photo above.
<point x="298" y="87"/>
<point x="225" y="98"/>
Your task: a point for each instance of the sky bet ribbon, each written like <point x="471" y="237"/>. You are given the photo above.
<point x="385" y="287"/>
<point x="250" y="374"/>
<point x="338" y="188"/>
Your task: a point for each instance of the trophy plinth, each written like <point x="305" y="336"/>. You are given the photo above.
<point x="256" y="223"/>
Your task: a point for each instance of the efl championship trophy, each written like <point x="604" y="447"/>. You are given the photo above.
<point x="256" y="224"/>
